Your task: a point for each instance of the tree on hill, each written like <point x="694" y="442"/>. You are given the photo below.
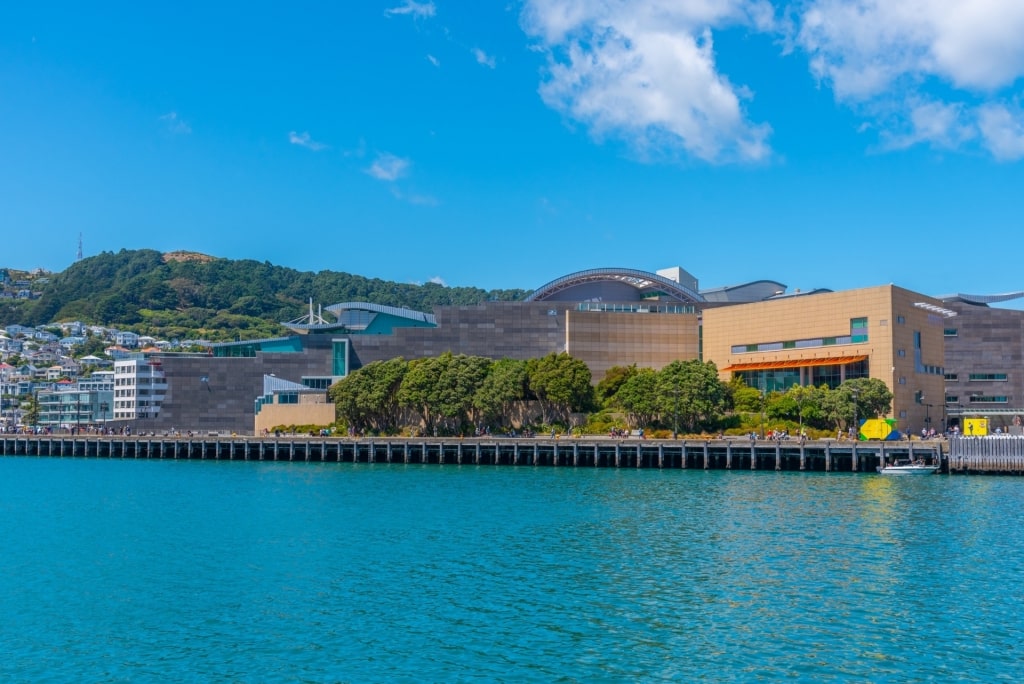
<point x="141" y="287"/>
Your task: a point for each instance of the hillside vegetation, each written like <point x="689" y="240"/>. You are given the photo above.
<point x="188" y="295"/>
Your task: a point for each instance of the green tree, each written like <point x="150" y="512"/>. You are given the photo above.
<point x="561" y="384"/>
<point x="368" y="397"/>
<point x="459" y="381"/>
<point x="744" y="398"/>
<point x="638" y="398"/>
<point x="504" y="385"/>
<point x="612" y="381"/>
<point x="31" y="411"/>
<point x="420" y="390"/>
<point x="873" y="398"/>
<point x="691" y="392"/>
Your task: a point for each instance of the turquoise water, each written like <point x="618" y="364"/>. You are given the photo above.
<point x="141" y="571"/>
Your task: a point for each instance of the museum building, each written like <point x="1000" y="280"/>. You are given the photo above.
<point x="606" y="317"/>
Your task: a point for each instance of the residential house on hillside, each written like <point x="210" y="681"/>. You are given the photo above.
<point x="127" y="339"/>
<point x="117" y="352"/>
<point x="42" y="357"/>
<point x="72" y="328"/>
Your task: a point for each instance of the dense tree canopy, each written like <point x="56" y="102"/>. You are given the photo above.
<point x="213" y="298"/>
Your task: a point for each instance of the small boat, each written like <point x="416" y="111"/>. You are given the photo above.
<point x="905" y="466"/>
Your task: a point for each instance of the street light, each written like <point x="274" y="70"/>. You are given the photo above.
<point x="675" y="414"/>
<point x="800" y="408"/>
<point x="762" y="413"/>
<point x="856" y="425"/>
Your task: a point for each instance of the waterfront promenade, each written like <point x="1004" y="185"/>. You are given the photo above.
<point x="717" y="454"/>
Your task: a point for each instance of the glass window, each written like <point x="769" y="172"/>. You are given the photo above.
<point x="951" y="377"/>
<point x="987" y="377"/>
<point x="950" y="332"/>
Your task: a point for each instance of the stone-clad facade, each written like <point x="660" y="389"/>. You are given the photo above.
<point x="984" y="364"/>
<point x="214" y="393"/>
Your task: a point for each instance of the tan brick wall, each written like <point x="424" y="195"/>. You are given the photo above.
<point x="828" y="315"/>
<point x="650" y="340"/>
<point x="272" y="415"/>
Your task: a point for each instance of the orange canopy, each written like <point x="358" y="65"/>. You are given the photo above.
<point x="797" y="363"/>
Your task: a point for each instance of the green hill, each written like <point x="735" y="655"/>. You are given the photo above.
<point x="189" y="295"/>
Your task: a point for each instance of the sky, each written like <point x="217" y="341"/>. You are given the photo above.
<point x="819" y="143"/>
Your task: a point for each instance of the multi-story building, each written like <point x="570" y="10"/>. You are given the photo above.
<point x="885" y="332"/>
<point x="74" y="408"/>
<point x="139" y="388"/>
<point x="984" y="361"/>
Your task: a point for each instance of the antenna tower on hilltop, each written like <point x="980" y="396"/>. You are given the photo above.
<point x="78" y="257"/>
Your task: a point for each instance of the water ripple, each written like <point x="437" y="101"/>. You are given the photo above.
<point x="232" y="572"/>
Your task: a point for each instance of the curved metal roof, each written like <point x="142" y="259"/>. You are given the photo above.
<point x="339" y="310"/>
<point x="644" y="281"/>
<point x="398" y="311"/>
<point x="981" y="299"/>
<point x="754" y="291"/>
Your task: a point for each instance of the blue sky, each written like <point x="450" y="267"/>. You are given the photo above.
<point x="821" y="143"/>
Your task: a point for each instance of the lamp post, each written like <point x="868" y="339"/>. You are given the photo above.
<point x="800" y="408"/>
<point x="856" y="425"/>
<point x="675" y="411"/>
<point x="762" y="413"/>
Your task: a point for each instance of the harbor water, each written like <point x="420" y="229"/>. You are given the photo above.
<point x="230" y="571"/>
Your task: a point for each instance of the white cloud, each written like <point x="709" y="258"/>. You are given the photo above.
<point x="304" y="140"/>
<point x="433" y="60"/>
<point x="863" y="47"/>
<point x="415" y="9"/>
<point x="645" y="72"/>
<point x="1003" y="131"/>
<point x="388" y="167"/>
<point x="438" y="280"/>
<point x="939" y="124"/>
<point x="942" y="73"/>
<point x="888" y="58"/>
<point x="175" y="124"/>
<point x="483" y="58"/>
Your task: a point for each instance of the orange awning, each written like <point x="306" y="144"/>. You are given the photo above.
<point x="797" y="363"/>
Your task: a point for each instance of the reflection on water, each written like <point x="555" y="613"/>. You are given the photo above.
<point x="333" y="572"/>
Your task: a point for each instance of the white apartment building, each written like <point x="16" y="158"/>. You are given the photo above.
<point x="139" y="388"/>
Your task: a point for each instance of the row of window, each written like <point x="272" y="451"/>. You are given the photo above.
<point x="858" y="334"/>
<point x="977" y="399"/>
<point x="977" y="377"/>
